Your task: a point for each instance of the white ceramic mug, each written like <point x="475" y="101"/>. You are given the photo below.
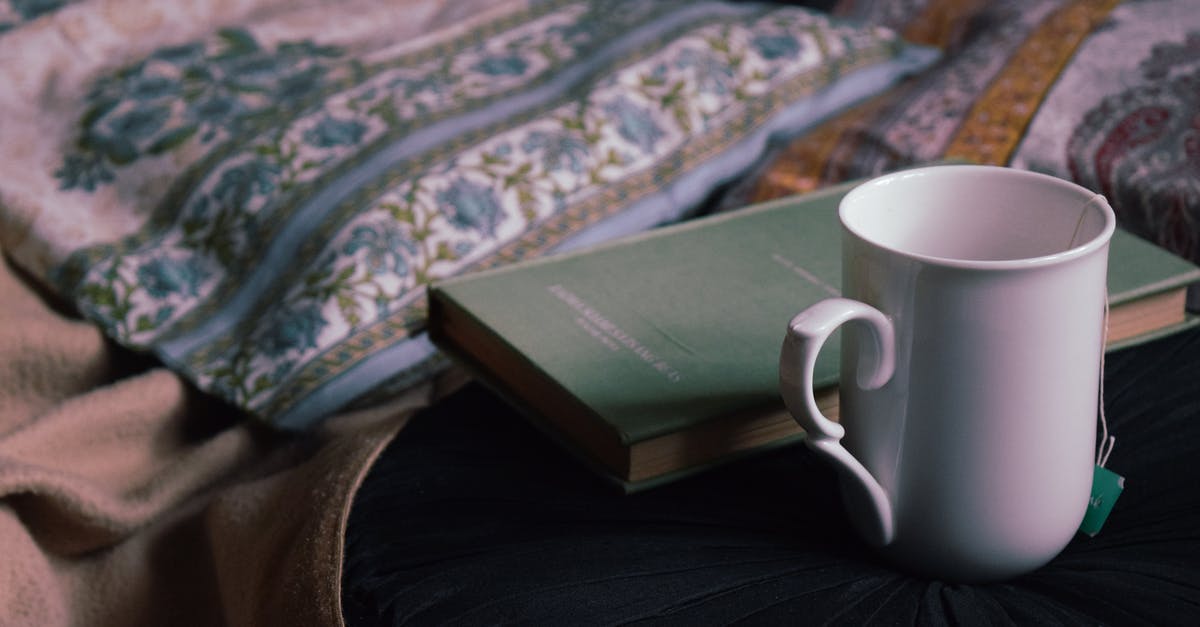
<point x="970" y="367"/>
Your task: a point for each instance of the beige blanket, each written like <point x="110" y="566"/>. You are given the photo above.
<point x="126" y="498"/>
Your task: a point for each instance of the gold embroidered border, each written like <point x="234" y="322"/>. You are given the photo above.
<point x="996" y="123"/>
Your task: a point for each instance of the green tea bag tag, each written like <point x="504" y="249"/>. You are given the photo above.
<point x="1106" y="488"/>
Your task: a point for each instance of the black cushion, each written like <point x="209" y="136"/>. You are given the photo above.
<point x="471" y="516"/>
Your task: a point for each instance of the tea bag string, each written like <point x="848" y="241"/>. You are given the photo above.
<point x="1107" y="442"/>
<point x="1083" y="210"/>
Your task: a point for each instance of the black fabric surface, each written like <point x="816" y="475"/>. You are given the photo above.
<point x="473" y="517"/>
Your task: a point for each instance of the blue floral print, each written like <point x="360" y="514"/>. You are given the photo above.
<point x="635" y="124"/>
<point x="203" y="90"/>
<point x="385" y="245"/>
<point x="292" y="329"/>
<point x="560" y="150"/>
<point x="713" y="75"/>
<point x="471" y="206"/>
<point x="511" y="65"/>
<point x="238" y="184"/>
<point x="331" y="131"/>
<point x="164" y="276"/>
<point x="773" y="47"/>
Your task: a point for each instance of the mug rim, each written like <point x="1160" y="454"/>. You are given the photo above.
<point x="1082" y="250"/>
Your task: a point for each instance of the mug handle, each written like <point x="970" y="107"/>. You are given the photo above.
<point x="806" y="333"/>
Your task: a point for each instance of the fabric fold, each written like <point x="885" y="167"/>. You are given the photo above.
<point x="129" y="498"/>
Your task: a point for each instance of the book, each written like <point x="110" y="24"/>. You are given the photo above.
<point x="657" y="355"/>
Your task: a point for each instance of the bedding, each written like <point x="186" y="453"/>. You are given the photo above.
<point x="128" y="498"/>
<point x="1100" y="93"/>
<point x="218" y="218"/>
<point x="261" y="204"/>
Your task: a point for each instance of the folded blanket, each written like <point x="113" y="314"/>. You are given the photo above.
<point x="259" y="193"/>
<point x="128" y="498"/>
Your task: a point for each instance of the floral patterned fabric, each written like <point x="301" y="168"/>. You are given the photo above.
<point x="262" y="204"/>
<point x="1102" y="93"/>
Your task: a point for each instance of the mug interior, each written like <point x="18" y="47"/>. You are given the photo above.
<point x="983" y="214"/>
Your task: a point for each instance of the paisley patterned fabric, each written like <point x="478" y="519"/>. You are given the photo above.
<point x="1132" y="104"/>
<point x="262" y="204"/>
<point x="1102" y="93"/>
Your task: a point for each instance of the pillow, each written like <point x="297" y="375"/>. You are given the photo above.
<point x="1101" y="93"/>
<point x="262" y="204"/>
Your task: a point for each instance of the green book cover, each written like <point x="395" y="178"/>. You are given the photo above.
<point x="656" y="336"/>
